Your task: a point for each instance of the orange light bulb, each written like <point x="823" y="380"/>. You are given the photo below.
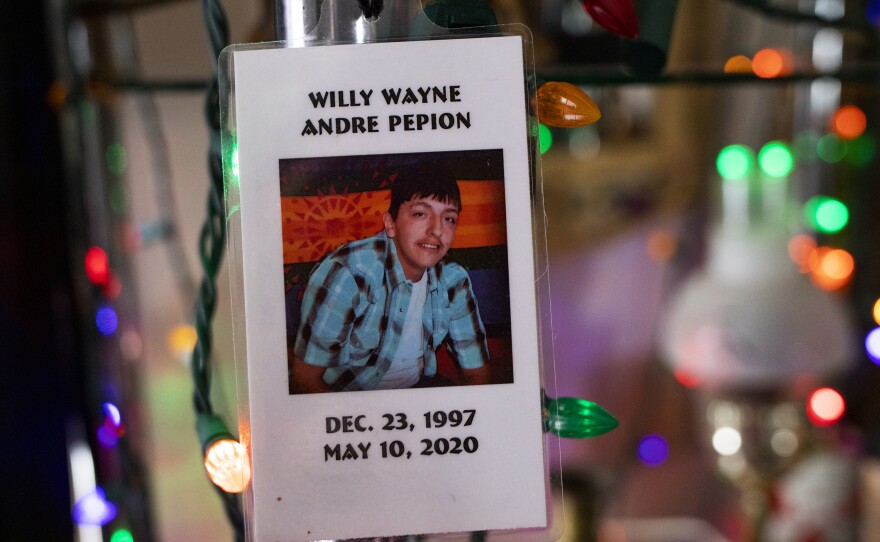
<point x="227" y="464"/>
<point x="770" y="63"/>
<point x="182" y="340"/>
<point x="849" y="122"/>
<point x="738" y="64"/>
<point x="831" y="268"/>
<point x="563" y="105"/>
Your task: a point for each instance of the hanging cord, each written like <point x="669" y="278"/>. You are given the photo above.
<point x="212" y="241"/>
<point x="370" y="8"/>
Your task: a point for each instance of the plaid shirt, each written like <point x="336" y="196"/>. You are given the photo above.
<point x="355" y="305"/>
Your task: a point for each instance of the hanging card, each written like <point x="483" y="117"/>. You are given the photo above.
<point x="326" y="274"/>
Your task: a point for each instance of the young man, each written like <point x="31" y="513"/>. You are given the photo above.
<point x="375" y="310"/>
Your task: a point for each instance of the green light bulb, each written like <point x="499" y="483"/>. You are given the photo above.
<point x="735" y="162"/>
<point x="569" y="417"/>
<point x="545" y="138"/>
<point x="122" y="535"/>
<point x="116" y="157"/>
<point x="776" y="159"/>
<point x="828" y="214"/>
<point x="831" y="148"/>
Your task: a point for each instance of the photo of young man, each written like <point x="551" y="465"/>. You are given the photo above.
<point x="375" y="310"/>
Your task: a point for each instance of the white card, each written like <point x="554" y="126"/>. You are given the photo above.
<point x="386" y="462"/>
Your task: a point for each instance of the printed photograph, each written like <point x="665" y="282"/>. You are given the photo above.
<point x="395" y="271"/>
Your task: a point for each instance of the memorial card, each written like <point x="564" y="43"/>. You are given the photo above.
<point x="385" y="271"/>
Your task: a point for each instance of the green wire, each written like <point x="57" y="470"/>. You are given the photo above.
<point x="212" y="241"/>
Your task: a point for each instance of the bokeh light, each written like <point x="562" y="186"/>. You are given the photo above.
<point x="112" y="414"/>
<point x="686" y="378"/>
<point x="545" y="138"/>
<point x="848" y="122"/>
<point x="106" y="320"/>
<point x="831" y="148"/>
<point x="799" y="249"/>
<point x="93" y="509"/>
<point x="738" y="64"/>
<point x="831" y="268"/>
<point x="97" y="265"/>
<point x="122" y="535"/>
<point x="661" y="246"/>
<point x="776" y="159"/>
<point x="770" y="63"/>
<point x="877" y="312"/>
<point x="117" y="159"/>
<point x="872" y="344"/>
<point x="182" y="340"/>
<point x="653" y="450"/>
<point x="826" y="215"/>
<point x="726" y="441"/>
<point x="825" y="406"/>
<point x="735" y="162"/>
<point x="784" y="442"/>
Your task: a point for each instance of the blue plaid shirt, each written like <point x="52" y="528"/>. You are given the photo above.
<point x="355" y="305"/>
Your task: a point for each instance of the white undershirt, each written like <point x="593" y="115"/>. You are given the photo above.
<point x="408" y="363"/>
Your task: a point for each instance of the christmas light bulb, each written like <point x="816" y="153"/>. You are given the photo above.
<point x="563" y="105"/>
<point x="97" y="266"/>
<point x="825" y="406"/>
<point x="122" y="535"/>
<point x="776" y="159"/>
<point x="831" y="148"/>
<point x="826" y="215"/>
<point x="227" y="464"/>
<point x="116" y="158"/>
<point x="848" y="122"/>
<point x="770" y="63"/>
<point x="735" y="162"/>
<point x="727" y="441"/>
<point x="653" y="450"/>
<point x="545" y="138"/>
<point x="106" y="320"/>
<point x="94" y="509"/>
<point x="182" y="340"/>
<point x="618" y="16"/>
<point x="872" y="345"/>
<point x="570" y="417"/>
<point x="738" y="64"/>
<point x="831" y="268"/>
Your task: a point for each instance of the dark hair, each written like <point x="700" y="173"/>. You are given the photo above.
<point x="424" y="181"/>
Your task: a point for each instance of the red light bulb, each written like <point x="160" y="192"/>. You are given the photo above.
<point x="618" y="16"/>
<point x="97" y="266"/>
<point x="825" y="406"/>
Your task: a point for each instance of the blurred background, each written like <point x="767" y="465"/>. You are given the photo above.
<point x="713" y="255"/>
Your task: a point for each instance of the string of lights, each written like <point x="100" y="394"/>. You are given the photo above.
<point x="224" y="456"/>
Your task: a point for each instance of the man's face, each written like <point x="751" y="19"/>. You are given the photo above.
<point x="423" y="232"/>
